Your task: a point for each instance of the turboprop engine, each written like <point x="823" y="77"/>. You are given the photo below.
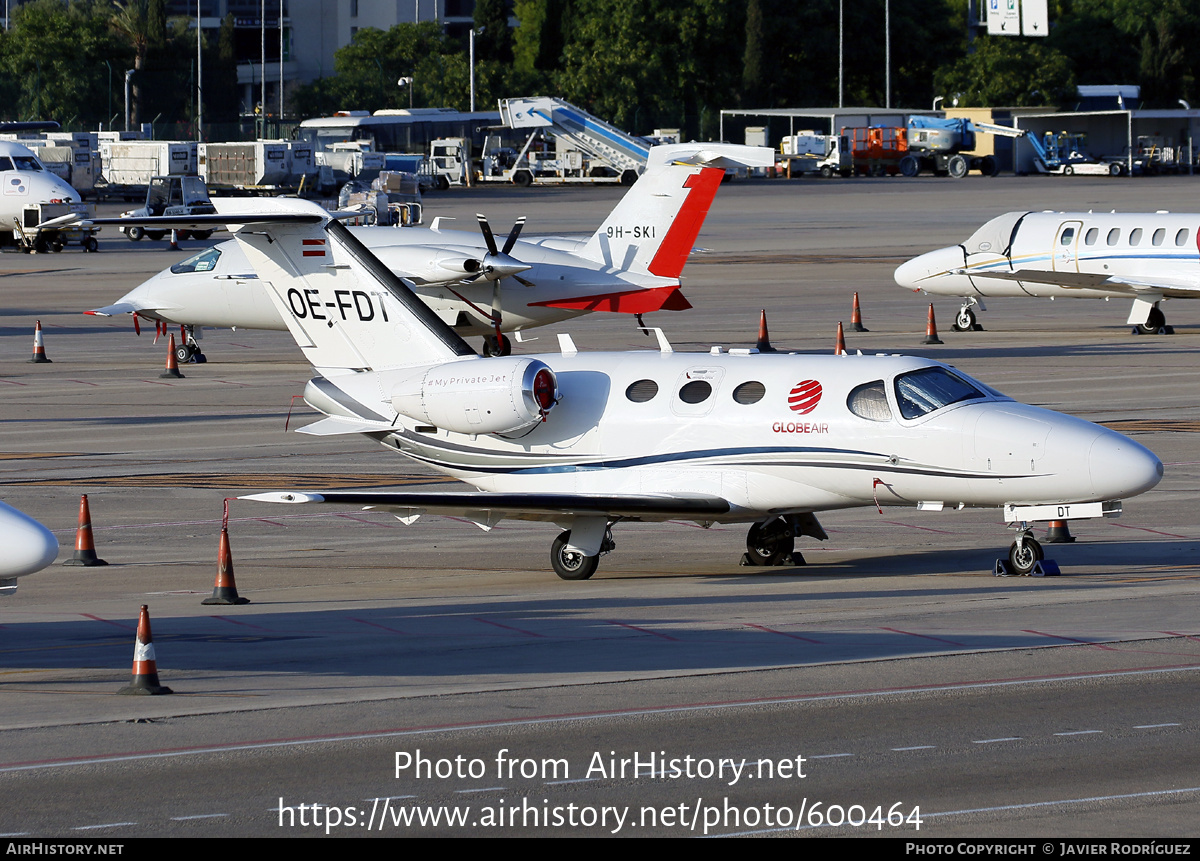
<point x="497" y="395"/>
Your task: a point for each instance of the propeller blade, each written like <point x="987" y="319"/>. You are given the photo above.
<point x="513" y="234"/>
<point x="487" y="234"/>
<point x="522" y="281"/>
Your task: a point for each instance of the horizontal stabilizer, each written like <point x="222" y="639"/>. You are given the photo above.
<point x="336" y="426"/>
<point x="113" y="310"/>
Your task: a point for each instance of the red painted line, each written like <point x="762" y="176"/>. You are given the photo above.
<point x="1069" y="639"/>
<point x="923" y="636"/>
<point x="232" y="383"/>
<point x="922" y="528"/>
<point x="236" y="622"/>
<point x="507" y="627"/>
<point x="269" y="522"/>
<point x="1146" y="529"/>
<point x="13" y="383"/>
<point x="123" y="625"/>
<point x="377" y="625"/>
<point x="84" y="383"/>
<point x="363" y="520"/>
<point x="641" y="630"/>
<point x="783" y="633"/>
<point x="244" y="346"/>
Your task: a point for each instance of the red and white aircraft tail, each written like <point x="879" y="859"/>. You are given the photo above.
<point x="654" y="227"/>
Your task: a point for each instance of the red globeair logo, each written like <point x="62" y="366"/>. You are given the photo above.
<point x="805" y="396"/>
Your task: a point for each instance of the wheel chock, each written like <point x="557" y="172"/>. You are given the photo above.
<point x="1000" y="569"/>
<point x="1045" y="568"/>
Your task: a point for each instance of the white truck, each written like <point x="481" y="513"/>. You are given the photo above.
<point x="811" y="152"/>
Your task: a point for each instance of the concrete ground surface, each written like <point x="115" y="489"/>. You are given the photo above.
<point x="903" y="674"/>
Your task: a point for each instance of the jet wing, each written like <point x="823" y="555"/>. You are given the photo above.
<point x="1086" y="280"/>
<point x="491" y="508"/>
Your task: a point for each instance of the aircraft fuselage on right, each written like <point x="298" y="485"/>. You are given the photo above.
<point x="1146" y="257"/>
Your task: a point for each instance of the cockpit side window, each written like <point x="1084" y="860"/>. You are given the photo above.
<point x="26" y="162"/>
<point x="920" y="392"/>
<point x="205" y="261"/>
<point x="6" y="163"/>
<point x="869" y="401"/>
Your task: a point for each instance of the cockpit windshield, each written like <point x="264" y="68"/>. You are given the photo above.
<point x="205" y="261"/>
<point x="996" y="236"/>
<point x="26" y="162"/>
<point x="920" y="392"/>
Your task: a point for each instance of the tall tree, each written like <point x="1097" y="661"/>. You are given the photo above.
<point x="495" y="43"/>
<point x="141" y="23"/>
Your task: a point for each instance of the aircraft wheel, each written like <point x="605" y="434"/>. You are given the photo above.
<point x="768" y="543"/>
<point x="1154" y="323"/>
<point x="957" y="166"/>
<point x="135" y="233"/>
<point x="909" y="166"/>
<point x="493" y="346"/>
<point x="183" y="353"/>
<point x="1022" y="558"/>
<point x="965" y="321"/>
<point x="570" y="564"/>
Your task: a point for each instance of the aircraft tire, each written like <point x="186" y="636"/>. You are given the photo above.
<point x="762" y="550"/>
<point x="497" y="346"/>
<point x="1022" y="559"/>
<point x="568" y="564"/>
<point x="965" y="321"/>
<point x="183" y="353"/>
<point x="1154" y="324"/>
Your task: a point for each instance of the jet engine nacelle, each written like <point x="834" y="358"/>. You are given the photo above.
<point x="494" y="395"/>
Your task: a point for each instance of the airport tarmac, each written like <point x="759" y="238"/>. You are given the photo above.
<point x="894" y="663"/>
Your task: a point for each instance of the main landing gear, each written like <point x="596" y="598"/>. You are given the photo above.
<point x="497" y="345"/>
<point x="772" y="542"/>
<point x="1156" y="324"/>
<point x="572" y="564"/>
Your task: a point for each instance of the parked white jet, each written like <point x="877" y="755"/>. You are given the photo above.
<point x="589" y="440"/>
<point x="1147" y="257"/>
<point x="28" y="547"/>
<point x="25" y="182"/>
<point x="632" y="264"/>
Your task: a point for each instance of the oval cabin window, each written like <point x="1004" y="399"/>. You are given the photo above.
<point x="642" y="391"/>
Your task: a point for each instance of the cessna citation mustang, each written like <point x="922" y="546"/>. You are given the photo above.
<point x="632" y="264"/>
<point x="589" y="440"/>
<point x="28" y="547"/>
<point x="1146" y="257"/>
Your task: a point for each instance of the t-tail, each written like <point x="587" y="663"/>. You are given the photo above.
<point x="654" y="227"/>
<point x="346" y="310"/>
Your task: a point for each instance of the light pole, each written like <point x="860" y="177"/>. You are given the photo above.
<point x="472" y="40"/>
<point x="407" y="82"/>
<point x="128" y="86"/>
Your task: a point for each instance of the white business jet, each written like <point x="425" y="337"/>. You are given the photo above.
<point x="631" y="264"/>
<point x="1146" y="257"/>
<point x="25" y="183"/>
<point x="28" y="547"/>
<point x="589" y="440"/>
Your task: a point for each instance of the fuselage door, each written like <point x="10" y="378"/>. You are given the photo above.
<point x="1066" y="241"/>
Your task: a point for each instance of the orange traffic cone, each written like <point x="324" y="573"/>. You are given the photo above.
<point x="173" y="245"/>
<point x="172" y="371"/>
<point x="856" y="317"/>
<point x="931" y="329"/>
<point x="839" y="347"/>
<point x="1059" y="533"/>
<point x="145" y="668"/>
<point x="85" y="547"/>
<point x="225" y="589"/>
<point x="39" y="347"/>
<point x="764" y="340"/>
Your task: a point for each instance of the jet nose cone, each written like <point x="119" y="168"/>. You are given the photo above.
<point x="1122" y="468"/>
<point x="28" y="545"/>
<point x="917" y="273"/>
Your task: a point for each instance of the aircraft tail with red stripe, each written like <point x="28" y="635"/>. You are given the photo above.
<point x="654" y="227"/>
